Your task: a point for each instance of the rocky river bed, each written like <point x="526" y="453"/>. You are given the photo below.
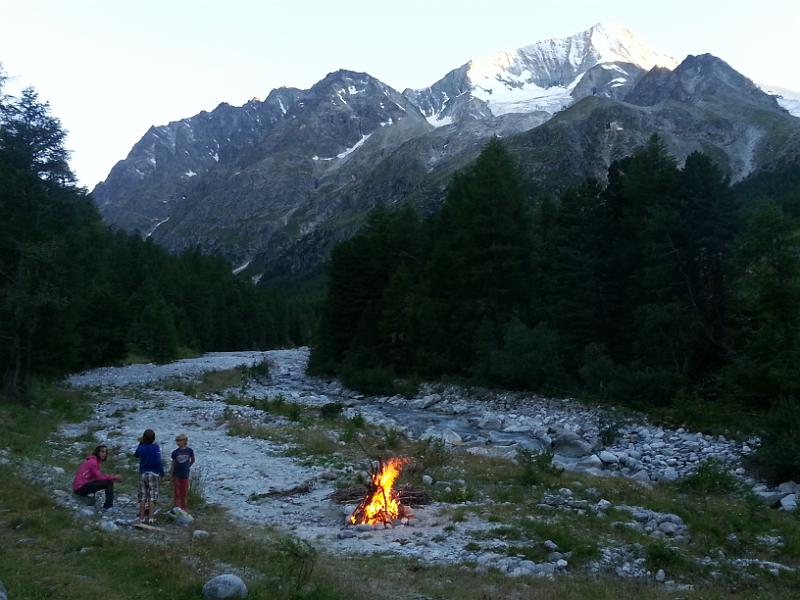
<point x="237" y="472"/>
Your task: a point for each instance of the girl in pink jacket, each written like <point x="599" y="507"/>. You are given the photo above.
<point x="89" y="479"/>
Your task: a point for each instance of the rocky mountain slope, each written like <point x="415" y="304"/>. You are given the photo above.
<point x="273" y="185"/>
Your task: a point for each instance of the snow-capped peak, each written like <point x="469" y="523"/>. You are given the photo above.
<point x="542" y="76"/>
<point x="788" y="99"/>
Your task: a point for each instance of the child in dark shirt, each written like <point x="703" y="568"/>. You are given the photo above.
<point x="150" y="470"/>
<point x="182" y="460"/>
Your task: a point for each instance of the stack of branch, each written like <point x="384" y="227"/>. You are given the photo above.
<point x="407" y="494"/>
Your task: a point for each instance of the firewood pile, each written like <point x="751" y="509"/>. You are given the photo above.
<point x="407" y="494"/>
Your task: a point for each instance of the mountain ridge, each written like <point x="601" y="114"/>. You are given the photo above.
<point x="273" y="185"/>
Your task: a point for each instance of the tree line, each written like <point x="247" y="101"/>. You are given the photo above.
<point x="74" y="293"/>
<point x="663" y="286"/>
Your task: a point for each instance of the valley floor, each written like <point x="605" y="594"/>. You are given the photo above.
<point x="626" y="508"/>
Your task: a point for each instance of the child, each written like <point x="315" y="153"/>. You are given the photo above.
<point x="150" y="469"/>
<point x="182" y="460"/>
<point x="89" y="479"/>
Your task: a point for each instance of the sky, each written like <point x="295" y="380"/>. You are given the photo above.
<point x="111" y="69"/>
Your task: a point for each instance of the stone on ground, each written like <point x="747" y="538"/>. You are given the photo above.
<point x="224" y="586"/>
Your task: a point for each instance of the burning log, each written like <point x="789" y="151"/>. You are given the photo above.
<point x="380" y="504"/>
<point x="407" y="495"/>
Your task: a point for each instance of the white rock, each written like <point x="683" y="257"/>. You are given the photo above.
<point x="660" y="575"/>
<point x="603" y="504"/>
<point x="200" y="534"/>
<point x="562" y="564"/>
<point x="109" y="526"/>
<point x="427" y="479"/>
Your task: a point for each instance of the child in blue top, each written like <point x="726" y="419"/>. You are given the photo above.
<point x="150" y="470"/>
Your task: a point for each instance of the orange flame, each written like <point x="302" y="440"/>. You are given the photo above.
<point x="382" y="506"/>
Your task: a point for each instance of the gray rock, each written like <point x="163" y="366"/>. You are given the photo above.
<point x="570" y="444"/>
<point x="789" y="503"/>
<point x="788" y="487"/>
<point x="200" y="534"/>
<point x="427" y="479"/>
<point x="592" y="461"/>
<point x="490" y="423"/>
<point x="224" y="586"/>
<point x="668" y="528"/>
<point x="108" y="526"/>
<point x="670" y="474"/>
<point x="609" y="457"/>
<point x="661" y="576"/>
<point x="550" y="545"/>
<point x="562" y="564"/>
<point x="642" y="475"/>
<point x="3" y="592"/>
<point x="603" y="504"/>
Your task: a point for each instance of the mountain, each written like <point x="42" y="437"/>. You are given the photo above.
<point x="703" y="105"/>
<point x="545" y="76"/>
<point x="273" y="185"/>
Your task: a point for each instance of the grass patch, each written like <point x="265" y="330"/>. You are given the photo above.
<point x="211" y="382"/>
<point x="26" y="427"/>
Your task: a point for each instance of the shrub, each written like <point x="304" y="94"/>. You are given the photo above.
<point x="529" y="358"/>
<point x="372" y="381"/>
<point x="778" y="458"/>
<point x="598" y="370"/>
<point x="711" y="478"/>
<point x="534" y="466"/>
<point x="331" y="410"/>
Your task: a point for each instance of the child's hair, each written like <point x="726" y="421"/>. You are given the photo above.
<point x="181" y="436"/>
<point x="148" y="437"/>
<point x="96" y="452"/>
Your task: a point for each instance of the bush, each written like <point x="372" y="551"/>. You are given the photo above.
<point x="372" y="381"/>
<point x="711" y="478"/>
<point x="529" y="358"/>
<point x="778" y="458"/>
<point x="598" y="370"/>
<point x="535" y="466"/>
<point x="331" y="410"/>
<point x="660" y="556"/>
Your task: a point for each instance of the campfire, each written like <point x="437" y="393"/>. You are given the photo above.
<point x="381" y="504"/>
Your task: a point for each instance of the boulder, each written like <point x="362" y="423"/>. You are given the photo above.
<point x="789" y="503"/>
<point x="224" y="586"/>
<point x="609" y="457"/>
<point x="570" y="444"/>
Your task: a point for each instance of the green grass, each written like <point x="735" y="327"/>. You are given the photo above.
<point x="212" y="382"/>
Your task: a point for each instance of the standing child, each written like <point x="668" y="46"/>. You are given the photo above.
<point x="182" y="460"/>
<point x="150" y="469"/>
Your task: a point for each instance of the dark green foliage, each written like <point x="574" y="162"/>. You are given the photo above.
<point x="711" y="477"/>
<point x="654" y="289"/>
<point x="535" y="467"/>
<point x="778" y="458"/>
<point x="528" y="358"/>
<point x="331" y="410"/>
<point x="74" y="294"/>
